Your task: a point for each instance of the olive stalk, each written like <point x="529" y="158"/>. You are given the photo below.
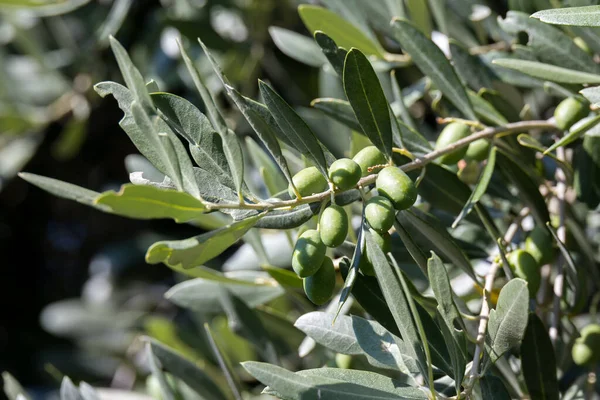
<point x="561" y="188"/>
<point x="484" y="314"/>
<point x="490" y="132"/>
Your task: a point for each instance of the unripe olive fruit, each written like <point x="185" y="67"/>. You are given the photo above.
<point x="384" y="241"/>
<point x="478" y="150"/>
<point x="369" y="157"/>
<point x="586" y="350"/>
<point x="539" y="245"/>
<point x="308" y="181"/>
<point x="569" y="111"/>
<point x="380" y="213"/>
<point x="394" y="184"/>
<point x="449" y="135"/>
<point x="320" y="286"/>
<point x="524" y="266"/>
<point x="333" y="226"/>
<point x="308" y="254"/>
<point x="343" y="361"/>
<point x="344" y="173"/>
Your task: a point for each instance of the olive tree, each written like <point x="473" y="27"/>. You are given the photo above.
<point x="440" y="201"/>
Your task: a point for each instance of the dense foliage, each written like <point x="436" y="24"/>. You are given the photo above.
<point x="440" y="200"/>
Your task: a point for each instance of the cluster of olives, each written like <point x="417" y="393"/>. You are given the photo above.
<point x="586" y="350"/>
<point x="396" y="192"/>
<point x="526" y="263"/>
<point x="453" y="132"/>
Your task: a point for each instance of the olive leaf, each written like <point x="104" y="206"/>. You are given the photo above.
<point x="294" y="127"/>
<point x="432" y="62"/>
<point x="368" y="101"/>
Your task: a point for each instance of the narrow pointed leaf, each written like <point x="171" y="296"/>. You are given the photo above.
<point x="409" y="138"/>
<point x="297" y="46"/>
<point x="131" y="75"/>
<point x="352" y="274"/>
<point x="368" y="101"/>
<point x="480" y="187"/>
<point x="265" y="131"/>
<point x="231" y="144"/>
<point x="548" y="72"/>
<point x="397" y="303"/>
<point x="63" y="189"/>
<point x="244" y="321"/>
<point x="440" y="284"/>
<point x="425" y="228"/>
<point x="341" y="31"/>
<point x="148" y="202"/>
<point x="508" y="321"/>
<point x="156" y="370"/>
<point x="148" y="144"/>
<point x="186" y="370"/>
<point x="205" y="143"/>
<point x="433" y="63"/>
<point x="294" y="127"/>
<point x="224" y="363"/>
<point x="575" y="134"/>
<point x="168" y="159"/>
<point x="330" y="383"/>
<point x="413" y="248"/>
<point x="574" y="16"/>
<point x="549" y="44"/>
<point x="199" y="249"/>
<point x="538" y="361"/>
<point x="337" y="335"/>
<point x="340" y="110"/>
<point x="382" y="348"/>
<point x="212" y="110"/>
<point x="330" y="49"/>
<point x="179" y="158"/>
<point x="204" y="295"/>
<point x="367" y="292"/>
<point x="398" y="106"/>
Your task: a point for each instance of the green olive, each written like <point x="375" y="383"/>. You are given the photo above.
<point x="539" y="245"/>
<point x="320" y="286"/>
<point x="369" y="157"/>
<point x="308" y="254"/>
<point x="333" y="226"/>
<point x="394" y="184"/>
<point x="384" y="241"/>
<point x="524" y="266"/>
<point x="449" y="135"/>
<point x="569" y="111"/>
<point x="308" y="181"/>
<point x="586" y="350"/>
<point x="380" y="213"/>
<point x="343" y="361"/>
<point x="344" y="173"/>
<point x="478" y="150"/>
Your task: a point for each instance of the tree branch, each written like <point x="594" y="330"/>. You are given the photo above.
<point x="487" y="133"/>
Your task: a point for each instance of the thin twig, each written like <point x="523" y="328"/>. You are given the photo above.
<point x="516" y="127"/>
<point x="484" y="315"/>
<point x="561" y="189"/>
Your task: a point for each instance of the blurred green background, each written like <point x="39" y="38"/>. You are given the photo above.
<point x="69" y="272"/>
